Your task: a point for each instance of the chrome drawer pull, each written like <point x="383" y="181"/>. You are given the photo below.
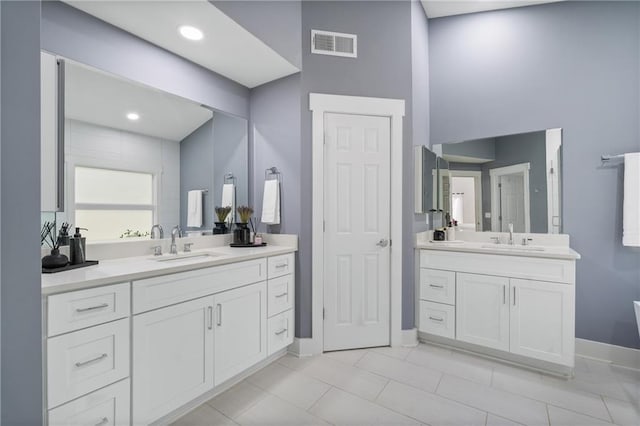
<point x="92" y="308"/>
<point x="436" y="286"/>
<point x="435" y="319"/>
<point x="104" y="421"/>
<point x="281" y="295"/>
<point x="284" y="330"/>
<point x="219" y="322"/>
<point x="210" y="315"/>
<point x="281" y="265"/>
<point x="83" y="363"/>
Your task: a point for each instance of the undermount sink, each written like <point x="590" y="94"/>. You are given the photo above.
<point x="508" y="247"/>
<point x="186" y="257"/>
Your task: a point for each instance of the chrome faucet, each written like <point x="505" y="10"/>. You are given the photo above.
<point x="160" y="232"/>
<point x="175" y="231"/>
<point x="511" y="234"/>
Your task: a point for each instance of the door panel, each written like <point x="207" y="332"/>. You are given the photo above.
<point x="482" y="310"/>
<point x="512" y="202"/>
<point x="172" y="358"/>
<point x="240" y="330"/>
<point x="542" y="320"/>
<point x="357" y="216"/>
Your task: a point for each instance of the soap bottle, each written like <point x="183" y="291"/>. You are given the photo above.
<point x="77" y="247"/>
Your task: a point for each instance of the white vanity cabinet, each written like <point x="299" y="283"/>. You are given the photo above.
<point x="172" y="357"/>
<point x="518" y="305"/>
<point x="139" y="352"/>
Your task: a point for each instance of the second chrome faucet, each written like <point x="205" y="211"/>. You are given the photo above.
<point x="173" y="249"/>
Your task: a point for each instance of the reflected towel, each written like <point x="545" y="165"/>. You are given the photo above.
<point x="631" y="204"/>
<point x="194" y="208"/>
<point x="271" y="202"/>
<point x="229" y="199"/>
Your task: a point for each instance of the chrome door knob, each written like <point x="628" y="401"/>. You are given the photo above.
<point x="382" y="243"/>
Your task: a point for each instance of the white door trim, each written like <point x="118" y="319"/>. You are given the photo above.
<point x="553" y="143"/>
<point x="495" y="194"/>
<point x="320" y="104"/>
<point x="477" y="183"/>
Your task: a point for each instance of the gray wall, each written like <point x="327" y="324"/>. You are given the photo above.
<point x="76" y="35"/>
<point x="419" y="116"/>
<point x="382" y="69"/>
<point x="573" y="65"/>
<point x="230" y="155"/>
<point x="20" y="309"/>
<point x="276" y="23"/>
<point x="274" y="132"/>
<point x="479" y="148"/>
<point x="196" y="172"/>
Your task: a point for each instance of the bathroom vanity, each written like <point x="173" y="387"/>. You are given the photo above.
<point x="513" y="302"/>
<point x="146" y="338"/>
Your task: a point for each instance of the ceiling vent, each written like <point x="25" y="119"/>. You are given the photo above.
<point x="335" y="44"/>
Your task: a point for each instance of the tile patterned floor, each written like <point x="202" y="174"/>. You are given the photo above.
<point x="426" y="385"/>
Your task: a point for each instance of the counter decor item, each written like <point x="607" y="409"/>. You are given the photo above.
<point x="242" y="234"/>
<point x="221" y="224"/>
<point x="439" y="235"/>
<point x="55" y="259"/>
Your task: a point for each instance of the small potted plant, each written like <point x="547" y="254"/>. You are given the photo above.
<point x="221" y="224"/>
<point x="55" y="259"/>
<point x="242" y="235"/>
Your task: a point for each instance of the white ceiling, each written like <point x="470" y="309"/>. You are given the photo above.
<point x="227" y="48"/>
<point x="440" y="8"/>
<point x="100" y="98"/>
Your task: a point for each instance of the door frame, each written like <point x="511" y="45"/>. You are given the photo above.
<point x="319" y="104"/>
<point x="495" y="193"/>
<point x="477" y="184"/>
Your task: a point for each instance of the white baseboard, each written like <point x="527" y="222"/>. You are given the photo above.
<point x="409" y="338"/>
<point x="618" y="355"/>
<point x="304" y="346"/>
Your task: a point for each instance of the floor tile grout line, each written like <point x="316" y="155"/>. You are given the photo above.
<point x="375" y="400"/>
<point x="607" y="408"/>
<point x="318" y="400"/>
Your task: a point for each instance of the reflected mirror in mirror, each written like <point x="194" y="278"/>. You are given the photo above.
<point x="132" y="153"/>
<point x="495" y="181"/>
<point x="425" y="172"/>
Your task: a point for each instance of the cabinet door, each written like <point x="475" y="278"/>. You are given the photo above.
<point x="172" y="358"/>
<point x="240" y="330"/>
<point x="482" y="310"/>
<point x="542" y="320"/>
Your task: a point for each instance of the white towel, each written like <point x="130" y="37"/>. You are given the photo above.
<point x="631" y="204"/>
<point x="229" y="199"/>
<point x="271" y="202"/>
<point x="194" y="208"/>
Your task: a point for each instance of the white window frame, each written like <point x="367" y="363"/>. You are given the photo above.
<point x="115" y="166"/>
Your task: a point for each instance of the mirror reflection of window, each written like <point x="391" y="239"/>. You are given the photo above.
<point x="113" y="204"/>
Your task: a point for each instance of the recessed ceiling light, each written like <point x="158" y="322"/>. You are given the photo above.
<point x="133" y="116"/>
<point x="190" y="33"/>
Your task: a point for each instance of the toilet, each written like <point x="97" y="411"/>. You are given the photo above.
<point x="637" y="306"/>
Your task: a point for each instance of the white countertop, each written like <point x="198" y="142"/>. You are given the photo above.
<point x="552" y="252"/>
<point x="113" y="271"/>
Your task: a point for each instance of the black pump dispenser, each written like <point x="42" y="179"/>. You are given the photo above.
<point x="77" y="246"/>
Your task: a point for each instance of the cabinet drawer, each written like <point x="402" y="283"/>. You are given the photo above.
<point x="280" y="331"/>
<point x="437" y="318"/>
<point x="86" y="360"/>
<point x="84" y="308"/>
<point x="105" y="407"/>
<point x="279" y="294"/>
<point x="438" y="286"/>
<point x="170" y="289"/>
<point x="281" y="265"/>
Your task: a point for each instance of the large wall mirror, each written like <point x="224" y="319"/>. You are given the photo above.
<point x="133" y="152"/>
<point x="492" y="182"/>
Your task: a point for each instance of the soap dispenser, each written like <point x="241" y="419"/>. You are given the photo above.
<point x="78" y="246"/>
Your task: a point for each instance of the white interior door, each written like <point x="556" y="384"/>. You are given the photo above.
<point x="512" y="202"/>
<point x="357" y="228"/>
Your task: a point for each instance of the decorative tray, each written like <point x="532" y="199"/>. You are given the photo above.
<point x="69" y="267"/>
<point x="247" y="245"/>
